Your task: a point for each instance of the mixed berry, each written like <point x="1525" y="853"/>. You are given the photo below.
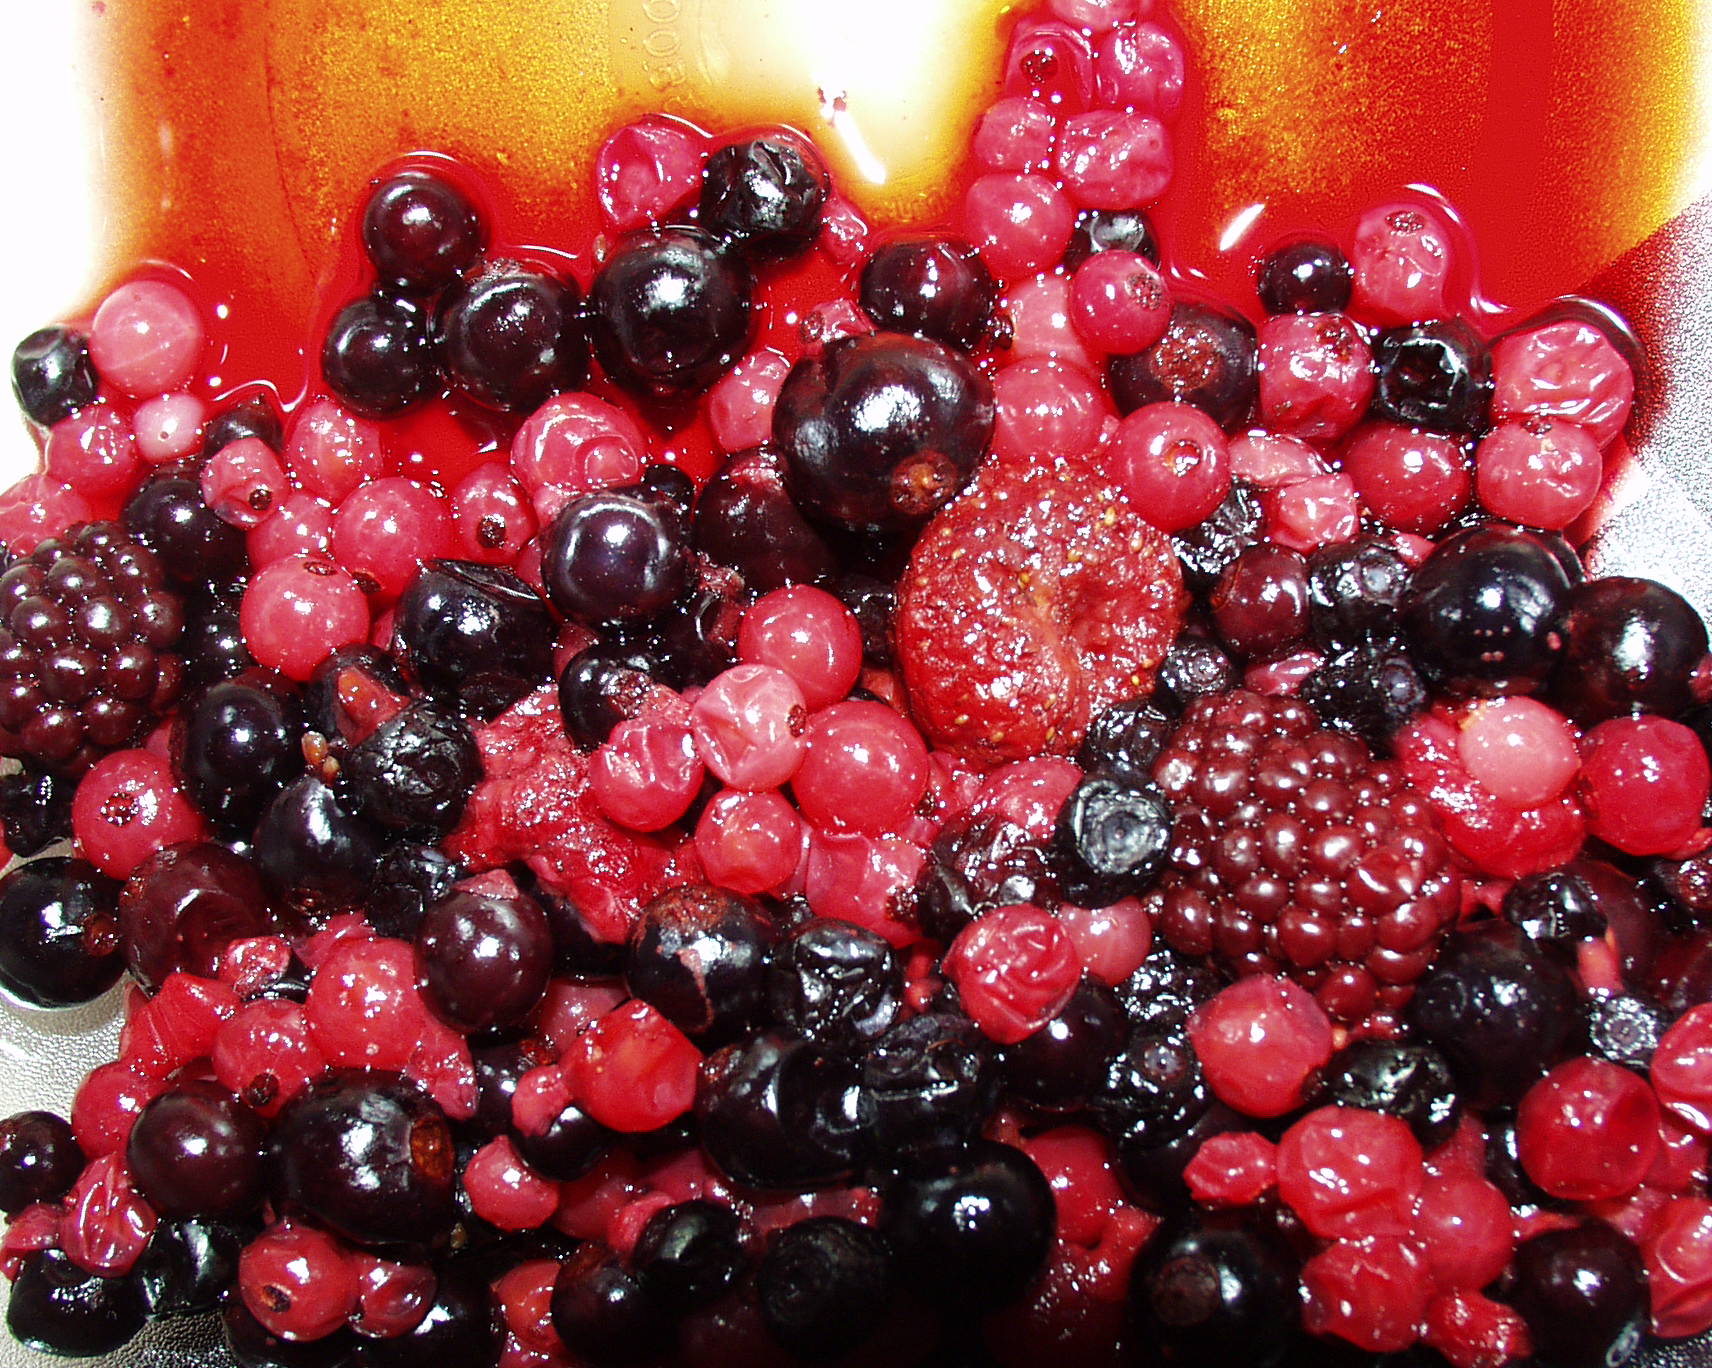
<point x="1099" y="824"/>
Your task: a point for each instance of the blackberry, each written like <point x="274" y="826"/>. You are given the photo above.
<point x="1369" y="691"/>
<point x="1297" y="853"/>
<point x="87" y="631"/>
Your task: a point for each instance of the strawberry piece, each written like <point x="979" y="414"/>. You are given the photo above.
<point x="1033" y="601"/>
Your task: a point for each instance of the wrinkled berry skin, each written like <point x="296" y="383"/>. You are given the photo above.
<point x="1633" y="645"/>
<point x="57" y="1308"/>
<point x="415" y="771"/>
<point x="474" y="635"/>
<point x="699" y="955"/>
<point x="823" y="1284"/>
<point x="59" y="932"/>
<point x="766" y="195"/>
<point x="1111" y="841"/>
<point x="52" y="374"/>
<point x="931" y="1083"/>
<point x="881" y="430"/>
<point x="1411" y="1082"/>
<point x="835" y="984"/>
<point x="1557" y="911"/>
<point x="1484" y="613"/>
<point x="1435" y="375"/>
<point x="669" y="312"/>
<point x="1583" y="1294"/>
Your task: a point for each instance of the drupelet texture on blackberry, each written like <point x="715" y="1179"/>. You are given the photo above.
<point x="1295" y="852"/>
<point x="87" y="630"/>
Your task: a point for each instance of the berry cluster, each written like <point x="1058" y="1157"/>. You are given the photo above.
<point x="1108" y="827"/>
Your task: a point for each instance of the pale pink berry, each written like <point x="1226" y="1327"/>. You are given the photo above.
<point x="1119" y="302"/>
<point x="1410" y="480"/>
<point x="38" y="507"/>
<point x="853" y="877"/>
<point x="385" y="529"/>
<point x="740" y="405"/>
<point x="647" y="168"/>
<point x="491" y="516"/>
<point x="1305" y="515"/>
<point x="94" y="451"/>
<point x="1402" y="260"/>
<point x="864" y="768"/>
<point x="1140" y="67"/>
<point x="1538" y="471"/>
<point x="1020" y="222"/>
<point x="1316" y="375"/>
<point x="844" y="232"/>
<point x="1521" y="750"/>
<point x="1108" y="159"/>
<point x="298" y="611"/>
<point x="575" y="443"/>
<point x="750" y="842"/>
<point x="1173" y="463"/>
<point x="1015" y="135"/>
<point x="1097" y="16"/>
<point x="810" y="635"/>
<point x="646" y="773"/>
<point x="329" y="451"/>
<point x="1567" y="369"/>
<point x="1048" y="407"/>
<point x="244" y="482"/>
<point x="1269" y="461"/>
<point x="1050" y="61"/>
<point x="168" y="427"/>
<point x="1039" y="310"/>
<point x="301" y="525"/>
<point x="1111" y="942"/>
<point x="147" y="338"/>
<point x="748" y="726"/>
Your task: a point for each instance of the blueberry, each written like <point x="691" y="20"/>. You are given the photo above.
<point x="1435" y="375"/>
<point x="52" y="375"/>
<point x="1153" y="1158"/>
<point x="669" y="312"/>
<point x="823" y="1285"/>
<point x="1305" y="276"/>
<point x="1207" y="358"/>
<point x="1484" y="613"/>
<point x="1583" y="1294"/>
<point x="698" y="954"/>
<point x="39" y="1159"/>
<point x="316" y="853"/>
<point x="234" y="748"/>
<point x="777" y="1112"/>
<point x="1411" y="1082"/>
<point x="166" y="513"/>
<point x="881" y="430"/>
<point x="1063" y="1064"/>
<point x="35" y="810"/>
<point x="1633" y="646"/>
<point x="512" y="336"/>
<point x="971" y="1229"/>
<point x="932" y="1081"/>
<point x="415" y="771"/>
<point x="614" y="556"/>
<point x="476" y="635"/>
<point x="420" y="231"/>
<point x="256" y="415"/>
<point x="59" y="932"/>
<point x="1123" y="741"/>
<point x="1206" y="550"/>
<point x="747" y="520"/>
<point x="1354" y="592"/>
<point x="1110" y="230"/>
<point x="1624" y="1029"/>
<point x="188" y="1266"/>
<point x="935" y="287"/>
<point x="1162" y="993"/>
<point x="689" y="1254"/>
<point x="1556" y="911"/>
<point x="1153" y="1088"/>
<point x="836" y="984"/>
<point x="1111" y="840"/>
<point x="1216" y="1289"/>
<point x="765" y="194"/>
<point x="605" y="1313"/>
<point x="1194" y="667"/>
<point x="57" y="1308"/>
<point x="1369" y="690"/>
<point x="601" y="686"/>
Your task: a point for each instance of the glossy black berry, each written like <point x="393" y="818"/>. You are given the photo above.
<point x="979" y="862"/>
<point x="765" y="194"/>
<point x="874" y="604"/>
<point x="747" y="520"/>
<point x="930" y="286"/>
<point x="336" y="698"/>
<point x="698" y="954"/>
<point x="420" y="231"/>
<point x="777" y="1112"/>
<point x="1484" y="613"/>
<point x="562" y="1146"/>
<point x="661" y="480"/>
<point x="605" y="1313"/>
<point x="689" y="1254"/>
<point x="1216" y="1289"/>
<point x="1206" y="358"/>
<point x="614" y="556"/>
<point x="253" y="1345"/>
<point x="1260" y="603"/>
<point x="1557" y="911"/>
<point x="234" y="748"/>
<point x="1110" y="230"/>
<point x="973" y="1228"/>
<point x="415" y="771"/>
<point x="932" y="1081"/>
<point x="1411" y="1082"/>
<point x="836" y="984"/>
<point x="474" y="635"/>
<point x="881" y="430"/>
<point x="1111" y="840"/>
<point x="1304" y="276"/>
<point x="57" y="1308"/>
<point x="1632" y="645"/>
<point x="1624" y="1029"/>
<point x="1499" y="1011"/>
<point x="1153" y="1088"/>
<point x="601" y="686"/>
<point x="512" y="336"/>
<point x="1063" y="1064"/>
<point x="695" y="638"/>
<point x="1369" y="690"/>
<point x="1207" y="549"/>
<point x="256" y="415"/>
<point x="1354" y="592"/>
<point x="314" y="850"/>
<point x="823" y="1285"/>
<point x="377" y="358"/>
<point x="368" y="1155"/>
<point x="59" y="932"/>
<point x="196" y="1150"/>
<point x="184" y="905"/>
<point x="52" y="375"/>
<point x="212" y="643"/>
<point x="35" y="810"/>
<point x="1194" y="667"/>
<point x="1123" y="741"/>
<point x="669" y="312"/>
<point x="39" y="1159"/>
<point x="484" y="960"/>
<point x="166" y="513"/>
<point x="1162" y="993"/>
<point x="188" y="1266"/>
<point x="462" y="1326"/>
<point x="1435" y="375"/>
<point x="1583" y="1294"/>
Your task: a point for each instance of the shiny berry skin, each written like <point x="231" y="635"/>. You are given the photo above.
<point x="1111" y="840"/>
<point x="196" y="1150"/>
<point x="699" y="955"/>
<point x="297" y="1281"/>
<point x="1574" y="366"/>
<point x="147" y="337"/>
<point x="376" y="357"/>
<point x="1304" y="276"/>
<point x="312" y="850"/>
<point x="1557" y="910"/>
<point x="600" y="687"/>
<point x="187" y="1267"/>
<point x="1172" y="460"/>
<point x="1411" y="1082"/>
<point x="1402" y="257"/>
<point x="476" y="635"/>
<point x="604" y="1313"/>
<point x="1350" y="1173"/>
<point x="1015" y="969"/>
<point x="765" y="194"/>
<point x="1435" y="375"/>
<point x="39" y="1159"/>
<point x="1020" y="222"/>
<point x="56" y="1307"/>
<point x="971" y="1229"/>
<point x="1106" y="230"/>
<point x="52" y="375"/>
<point x="1484" y="614"/>
<point x="614" y="556"/>
<point x="931" y="1081"/>
<point x="369" y="1155"/>
<point x="234" y="747"/>
<point x="823" y="1284"/>
<point x="633" y="1071"/>
<point x="166" y="513"/>
<point x="669" y="312"/>
<point x="932" y="287"/>
<point x="835" y="984"/>
<point x="414" y="772"/>
<point x="1371" y="1292"/>
<point x="511" y="336"/>
<point x="1644" y="783"/>
<point x="298" y="611"/>
<point x="690" y="1253"/>
<point x="1063" y="1064"/>
<point x="59" y="932"/>
<point x="1260" y="603"/>
<point x="420" y="231"/>
<point x="1260" y="1041"/>
<point x="881" y="430"/>
<point x="1408" y="478"/>
<point x="1206" y="358"/>
<point x="810" y="635"/>
<point x="1632" y="645"/>
<point x="748" y="725"/>
<point x="1354" y="592"/>
<point x="1583" y="1294"/>
<point x="484" y="960"/>
<point x="745" y="519"/>
<point x="461" y="1325"/>
<point x="1214" y="1289"/>
<point x="864" y="767"/>
<point x="1588" y="1130"/>
<point x="553" y="1135"/>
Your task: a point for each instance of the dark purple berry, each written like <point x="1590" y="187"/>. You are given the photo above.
<point x="184" y="905"/>
<point x="765" y="194"/>
<point x="1111" y="840"/>
<point x="484" y="960"/>
<point x="1354" y="592"/>
<point x="1305" y="276"/>
<point x="59" y="932"/>
<point x="415" y="771"/>
<point x="1369" y="690"/>
<point x="1411" y="1082"/>
<point x="1583" y="1293"/>
<point x="314" y="851"/>
<point x="420" y="230"/>
<point x="234" y="748"/>
<point x="823" y="1286"/>
<point x="188" y="1266"/>
<point x="196" y="1151"/>
<point x="57" y="1308"/>
<point x="1063" y="1064"/>
<point x="745" y="519"/>
<point x="52" y="375"/>
<point x="935" y="287"/>
<point x="1110" y="230"/>
<point x="688" y="1255"/>
<point x="512" y="336"/>
<point x="605" y="1313"/>
<point x="614" y="556"/>
<point x="35" y="810"/>
<point x="836" y="984"/>
<point x="1633" y="645"/>
<point x="1206" y="550"/>
<point x="1206" y="358"/>
<point x="1123" y="741"/>
<point x="167" y="514"/>
<point x="463" y="1326"/>
<point x="474" y="635"/>
<point x="1624" y="1029"/>
<point x="1194" y="667"/>
<point x="932" y="1081"/>
<point x="39" y="1159"/>
<point x="256" y="415"/>
<point x="1435" y="375"/>
<point x="376" y="356"/>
